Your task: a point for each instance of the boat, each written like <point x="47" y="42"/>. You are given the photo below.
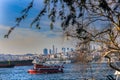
<point x="40" y="67"/>
<point x="18" y="62"/>
<point x="7" y="66"/>
<point x="22" y="62"/>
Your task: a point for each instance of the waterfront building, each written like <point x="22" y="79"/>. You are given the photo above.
<point x="71" y="50"/>
<point x="68" y="49"/>
<point x="63" y="50"/>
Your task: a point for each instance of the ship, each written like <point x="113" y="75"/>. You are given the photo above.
<point x="40" y="67"/>
<point x="16" y="63"/>
<point x="7" y="66"/>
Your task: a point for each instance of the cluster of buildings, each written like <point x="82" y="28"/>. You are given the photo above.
<point x="64" y="55"/>
<point x="53" y="53"/>
<point x="29" y="56"/>
<point x="11" y="57"/>
<point x="54" y="50"/>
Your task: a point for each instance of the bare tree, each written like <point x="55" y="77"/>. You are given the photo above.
<point x="78" y="16"/>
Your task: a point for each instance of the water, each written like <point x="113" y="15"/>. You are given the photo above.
<point x="71" y="72"/>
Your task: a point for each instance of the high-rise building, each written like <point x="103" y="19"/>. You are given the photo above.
<point x="56" y="50"/>
<point x="45" y="51"/>
<point x="53" y="49"/>
<point x="50" y="51"/>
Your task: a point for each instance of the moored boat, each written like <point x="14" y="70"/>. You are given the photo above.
<point x="17" y="63"/>
<point x="40" y="67"/>
<point x="7" y="66"/>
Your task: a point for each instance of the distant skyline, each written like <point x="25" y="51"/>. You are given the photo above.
<point x="25" y="39"/>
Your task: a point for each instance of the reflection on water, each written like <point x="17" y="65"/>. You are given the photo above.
<point x="71" y="72"/>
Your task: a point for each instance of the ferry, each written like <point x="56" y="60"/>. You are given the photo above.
<point x="40" y="67"/>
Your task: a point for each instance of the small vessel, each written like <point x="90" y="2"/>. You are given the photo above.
<point x="18" y="62"/>
<point x="40" y="67"/>
<point x="9" y="65"/>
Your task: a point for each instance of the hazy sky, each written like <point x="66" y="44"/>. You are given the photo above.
<point x="25" y="39"/>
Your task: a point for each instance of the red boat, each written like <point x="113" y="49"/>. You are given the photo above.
<point x="43" y="68"/>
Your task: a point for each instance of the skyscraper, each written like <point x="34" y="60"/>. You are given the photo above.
<point x="45" y="51"/>
<point x="53" y="49"/>
<point x="56" y="50"/>
<point x="50" y="51"/>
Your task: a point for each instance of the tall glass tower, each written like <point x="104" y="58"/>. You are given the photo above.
<point x="45" y="51"/>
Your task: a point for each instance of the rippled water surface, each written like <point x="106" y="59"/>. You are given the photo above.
<point x="71" y="72"/>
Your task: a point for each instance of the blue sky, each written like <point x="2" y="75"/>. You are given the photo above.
<point x="25" y="39"/>
<point x="11" y="9"/>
